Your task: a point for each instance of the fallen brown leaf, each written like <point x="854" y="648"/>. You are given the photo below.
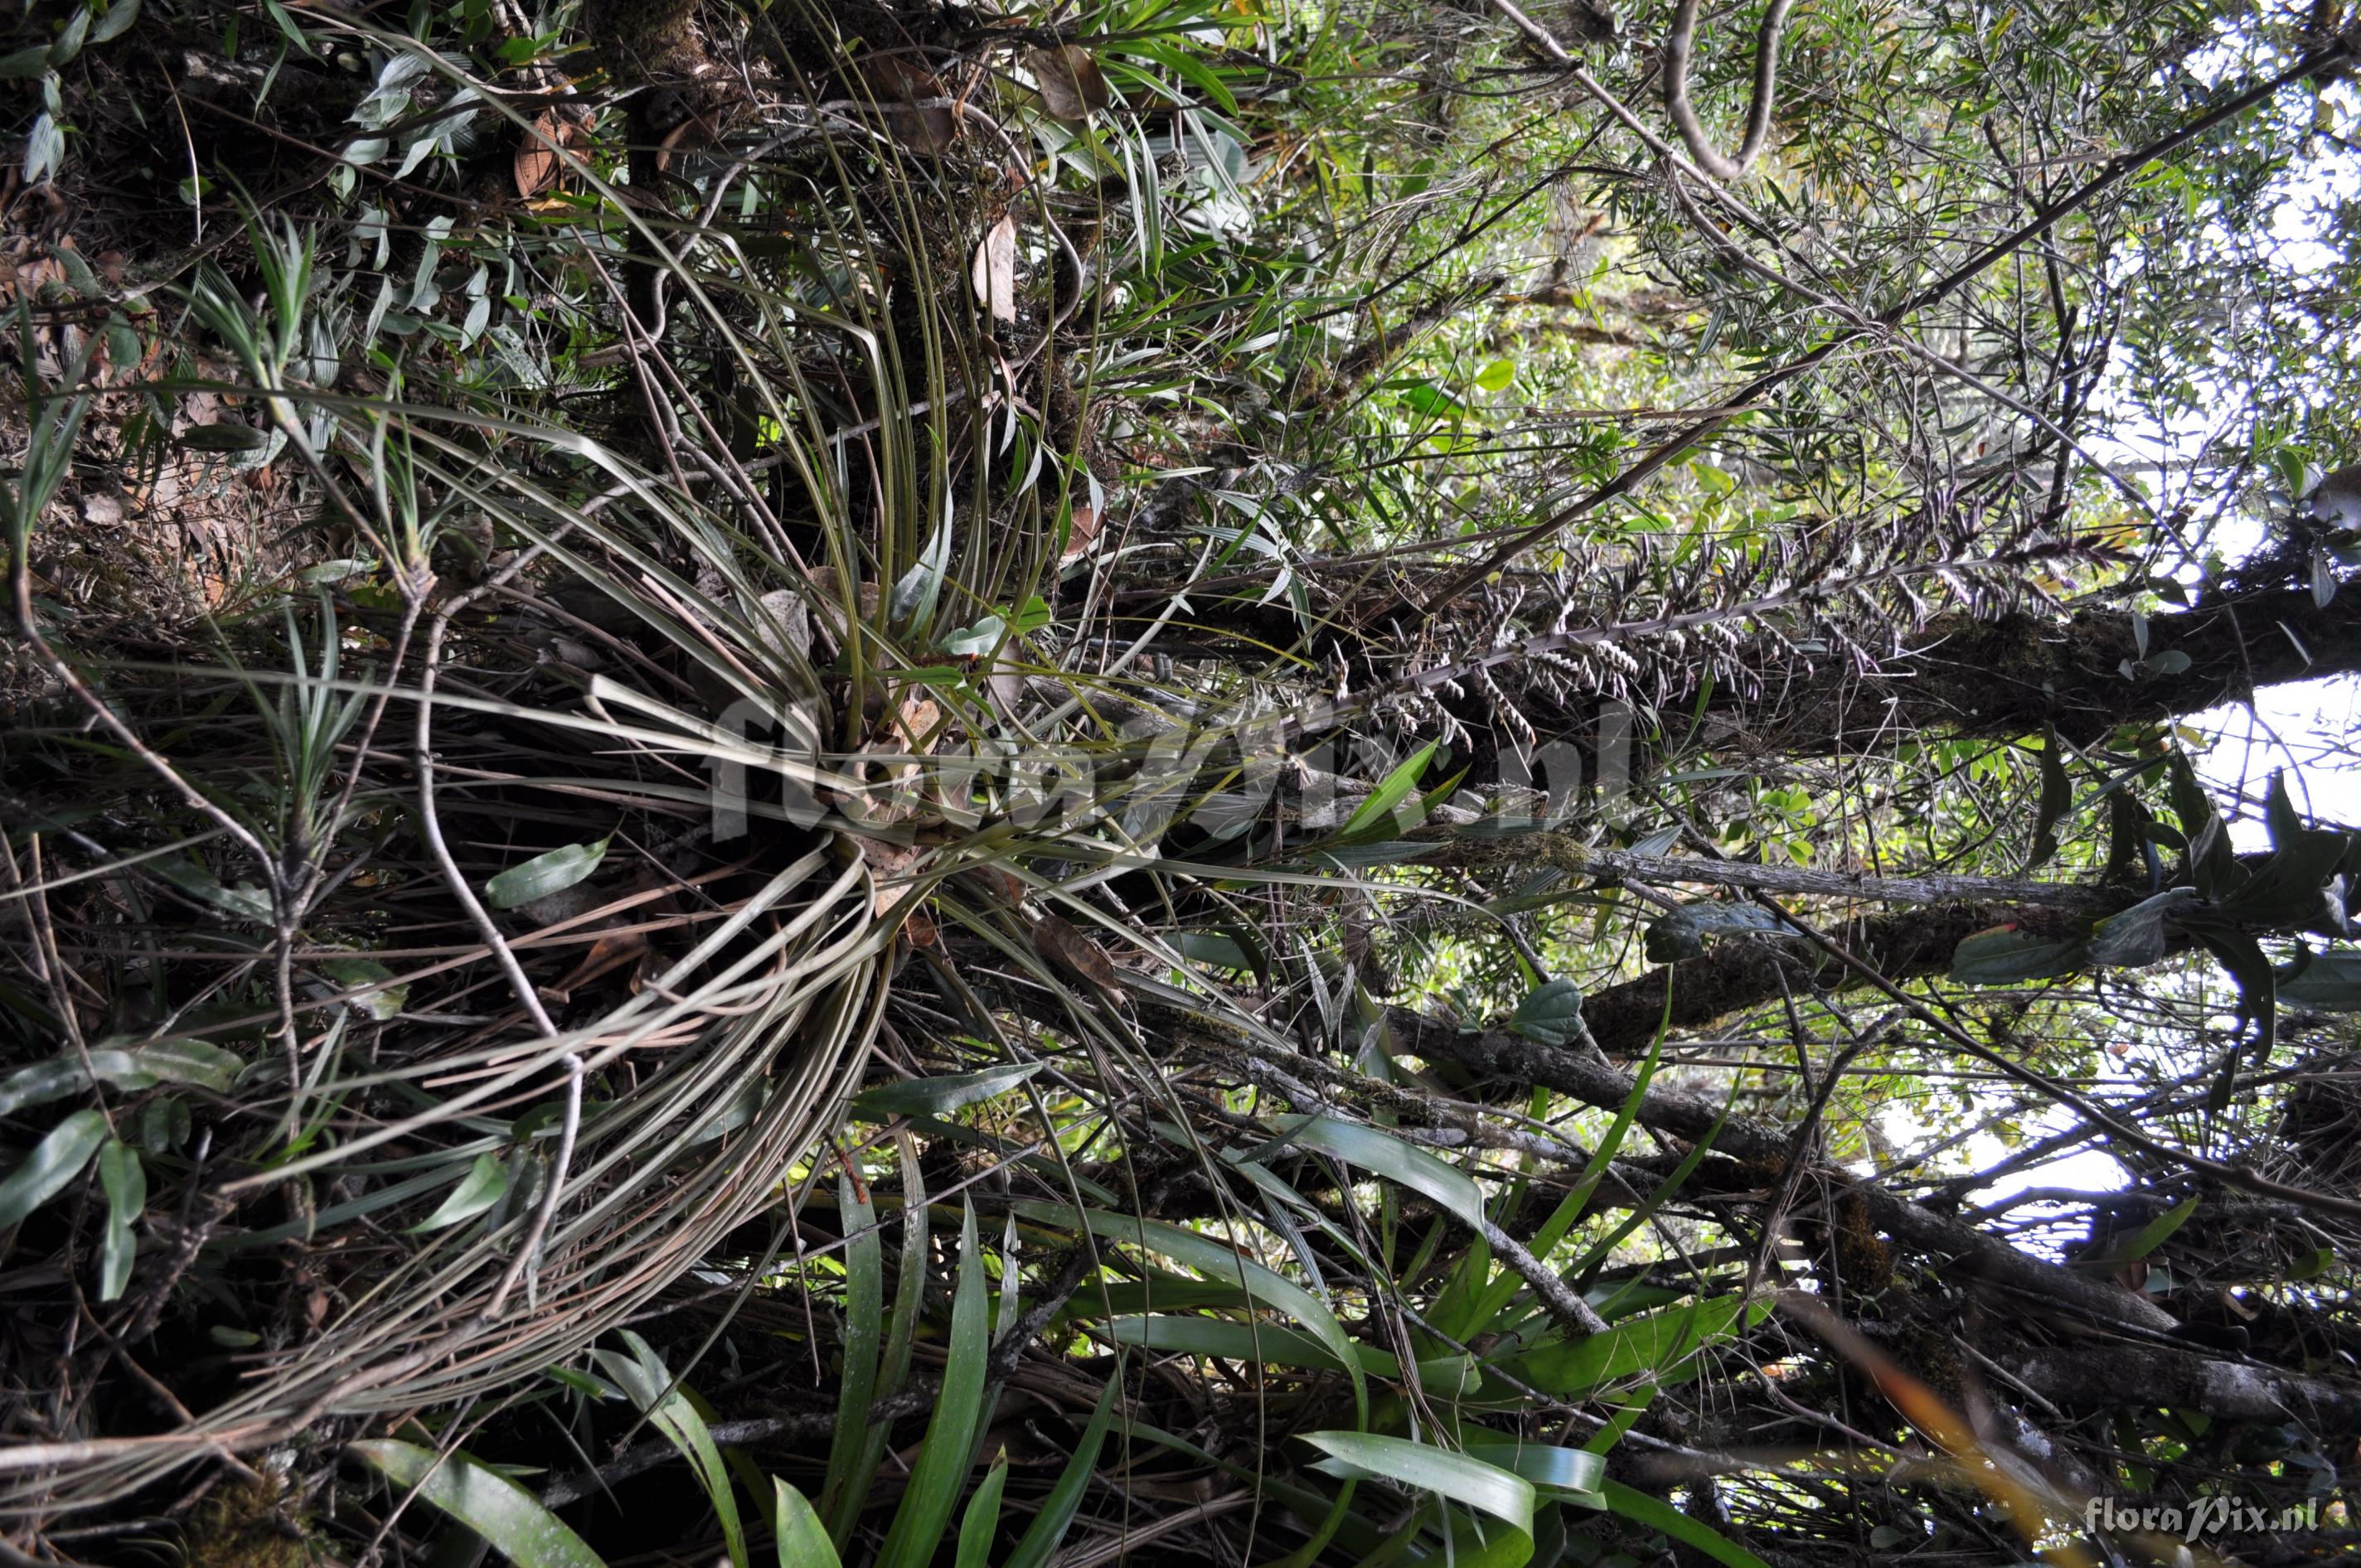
<point x="1081" y="530"/>
<point x="994" y="274"/>
<point x="537" y="163"/>
<point x="1069" y="949"/>
<point x="1071" y="84"/>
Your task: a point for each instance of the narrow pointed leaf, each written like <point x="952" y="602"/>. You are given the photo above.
<point x="940" y="1472"/>
<point x="487" y="1502"/>
<point x="803" y="1541"/>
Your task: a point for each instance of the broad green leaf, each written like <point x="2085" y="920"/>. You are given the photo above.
<point x="486" y="1181"/>
<point x="1031" y="616"/>
<point x="977" y="639"/>
<point x="2279" y="814"/>
<point x="545" y="874"/>
<point x="2005" y="956"/>
<point x="1552" y="1014"/>
<point x="1569" y="1470"/>
<point x="915" y="592"/>
<point x="803" y="1541"/>
<point x="167" y="1061"/>
<point x="1500" y="1291"/>
<point x="1655" y="1344"/>
<point x="1266" y="1344"/>
<point x="643" y="1376"/>
<point x="55" y="1161"/>
<point x="484" y="1500"/>
<point x="244" y="901"/>
<point x="909" y="1287"/>
<point x="125" y="1181"/>
<point x="2212" y="861"/>
<point x="1158" y="1292"/>
<point x="2298" y="885"/>
<point x="1379" y="809"/>
<point x="351" y="975"/>
<point x="2257" y="1002"/>
<point x="1498" y="1495"/>
<point x="1270" y="1345"/>
<point x="2329" y="982"/>
<point x="940" y="1472"/>
<point x="225" y="436"/>
<point x="934" y="1096"/>
<point x="117" y="20"/>
<point x="1668" y="1520"/>
<point x="1215" y="1261"/>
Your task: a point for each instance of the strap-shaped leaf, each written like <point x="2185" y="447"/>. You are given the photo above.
<point x="940" y="1473"/>
<point x="484" y="1500"/>
<point x="644" y="1379"/>
<point x="2057" y="797"/>
<point x="1668" y="1520"/>
<point x="1501" y="1496"/>
<point x="1378" y="1152"/>
<point x="1057" y="1512"/>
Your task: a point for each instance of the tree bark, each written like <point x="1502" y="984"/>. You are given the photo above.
<point x="1742" y="972"/>
<point x="2008" y="678"/>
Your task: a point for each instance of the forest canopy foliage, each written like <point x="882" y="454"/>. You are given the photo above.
<point x="1259" y="781"/>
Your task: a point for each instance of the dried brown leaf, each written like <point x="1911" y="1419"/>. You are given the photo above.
<point x="995" y="273"/>
<point x="537" y="162"/>
<point x="1081" y="529"/>
<point x="1071" y="84"/>
<point x="1069" y="949"/>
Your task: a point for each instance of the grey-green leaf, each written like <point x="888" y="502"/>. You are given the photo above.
<point x="545" y="874"/>
<point x="934" y="1096"/>
<point x="115" y="22"/>
<point x="477" y="1190"/>
<point x="352" y="974"/>
<point x="2329" y="981"/>
<point x="2136" y="937"/>
<point x="1048" y="1526"/>
<point x="125" y="1181"/>
<point x="2057" y="797"/>
<point x="55" y="1161"/>
<point x="1469" y="1482"/>
<point x="2004" y="955"/>
<point x="644" y="1378"/>
<point x="167" y="1061"/>
<point x="1552" y="1014"/>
